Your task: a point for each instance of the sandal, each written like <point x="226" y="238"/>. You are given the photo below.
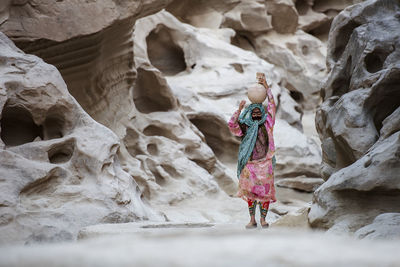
<point x="265" y="225"/>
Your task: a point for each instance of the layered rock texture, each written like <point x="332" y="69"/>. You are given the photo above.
<point x="164" y="84"/>
<point x="359" y="123"/>
<point x="59" y="168"/>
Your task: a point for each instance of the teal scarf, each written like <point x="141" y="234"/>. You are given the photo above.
<point x="247" y="145"/>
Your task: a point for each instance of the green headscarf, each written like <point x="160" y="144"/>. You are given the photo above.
<point x="247" y="145"/>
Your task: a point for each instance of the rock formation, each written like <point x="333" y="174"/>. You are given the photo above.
<point x="212" y="83"/>
<point x="289" y="34"/>
<point x="165" y="85"/>
<point x="358" y="122"/>
<point x="59" y="168"/>
<point x="160" y="148"/>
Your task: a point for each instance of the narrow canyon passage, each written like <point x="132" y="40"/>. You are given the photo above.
<point x="115" y="146"/>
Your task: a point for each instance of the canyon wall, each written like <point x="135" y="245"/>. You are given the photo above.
<point x="358" y="123"/>
<point x="164" y="83"/>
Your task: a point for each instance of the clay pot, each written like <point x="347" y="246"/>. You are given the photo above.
<point x="256" y="93"/>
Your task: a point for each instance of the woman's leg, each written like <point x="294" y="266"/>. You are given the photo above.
<point x="252" y="211"/>
<point x="252" y="207"/>
<point x="264" y="206"/>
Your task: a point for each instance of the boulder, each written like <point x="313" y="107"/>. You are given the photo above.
<point x="301" y="183"/>
<point x="248" y="16"/>
<point x="285" y="18"/>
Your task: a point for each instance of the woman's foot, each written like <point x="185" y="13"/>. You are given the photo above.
<point x="251" y="225"/>
<point x="263" y="223"/>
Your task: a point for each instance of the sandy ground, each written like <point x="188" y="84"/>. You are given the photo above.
<point x="202" y="244"/>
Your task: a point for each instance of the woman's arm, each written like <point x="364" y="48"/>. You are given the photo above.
<point x="233" y="123"/>
<point x="271" y="108"/>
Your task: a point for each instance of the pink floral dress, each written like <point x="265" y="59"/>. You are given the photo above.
<point x="256" y="180"/>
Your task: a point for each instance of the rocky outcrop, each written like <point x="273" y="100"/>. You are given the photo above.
<point x="301" y="183"/>
<point x="59" y="168"/>
<point x="300" y="60"/>
<point x="166" y="89"/>
<point x="289" y="34"/>
<point x="58" y="21"/>
<point x="358" y="122"/>
<point x="285" y="18"/>
<point x="212" y="84"/>
<point x="315" y="16"/>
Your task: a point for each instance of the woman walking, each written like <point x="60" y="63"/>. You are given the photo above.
<point x="255" y="168"/>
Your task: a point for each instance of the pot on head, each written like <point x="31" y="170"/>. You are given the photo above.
<point x="256" y="93"/>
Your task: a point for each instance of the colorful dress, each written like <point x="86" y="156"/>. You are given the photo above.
<point x="256" y="182"/>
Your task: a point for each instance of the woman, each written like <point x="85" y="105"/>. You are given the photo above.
<point x="256" y="154"/>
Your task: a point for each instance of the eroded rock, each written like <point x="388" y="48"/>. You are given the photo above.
<point x="384" y="226"/>
<point x="358" y="122"/>
<point x="301" y="183"/>
<point x="285" y="18"/>
<point x="300" y="60"/>
<point x="211" y="88"/>
<point x="60" y="169"/>
<point x="63" y="20"/>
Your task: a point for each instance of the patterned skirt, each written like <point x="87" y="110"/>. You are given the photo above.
<point x="257" y="181"/>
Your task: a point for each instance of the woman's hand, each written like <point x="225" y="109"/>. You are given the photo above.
<point x="261" y="79"/>
<point x="241" y="105"/>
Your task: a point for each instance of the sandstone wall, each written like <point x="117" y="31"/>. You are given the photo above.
<point x="165" y="85"/>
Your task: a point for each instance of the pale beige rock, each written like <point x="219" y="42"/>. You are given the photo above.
<point x="292" y="113"/>
<point x="309" y="19"/>
<point x="160" y="148"/>
<point x="60" y="169"/>
<point x="301" y="183"/>
<point x="284" y="15"/>
<point x="300" y="59"/>
<point x="203" y="13"/>
<point x="296" y="154"/>
<point x="298" y="219"/>
<point x="44" y="19"/>
<point x="385" y="226"/>
<point x="210" y="90"/>
<point x="248" y="16"/>
<point x="168" y="96"/>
